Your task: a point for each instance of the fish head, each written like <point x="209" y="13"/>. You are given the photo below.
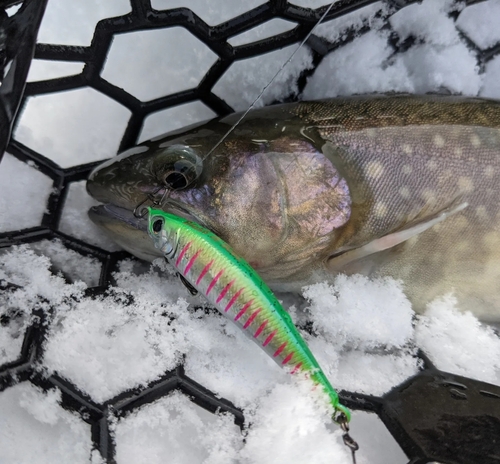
<point x="266" y="190"/>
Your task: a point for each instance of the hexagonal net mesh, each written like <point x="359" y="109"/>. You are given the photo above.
<point x="433" y="415"/>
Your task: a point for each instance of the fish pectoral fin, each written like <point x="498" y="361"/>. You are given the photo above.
<point x="191" y="289"/>
<point x="337" y="262"/>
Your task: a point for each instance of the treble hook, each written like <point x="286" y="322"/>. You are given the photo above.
<point x="347" y="439"/>
<point x="140" y="212"/>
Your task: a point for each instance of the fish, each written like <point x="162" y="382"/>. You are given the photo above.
<point x="229" y="283"/>
<point x="404" y="186"/>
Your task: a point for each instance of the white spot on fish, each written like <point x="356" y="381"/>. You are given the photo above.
<point x="380" y="210"/>
<point x="407" y="169"/>
<point x="429" y="196"/>
<point x="489" y="171"/>
<point x="475" y="140"/>
<point x="460" y="223"/>
<point x="407" y="149"/>
<point x="432" y="165"/>
<point x="371" y="132"/>
<point x="404" y="192"/>
<point x="465" y="184"/>
<point x="481" y="212"/>
<point x="374" y="169"/>
<point x="458" y="151"/>
<point x="438" y="140"/>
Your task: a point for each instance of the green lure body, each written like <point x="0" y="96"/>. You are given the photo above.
<point x="230" y="284"/>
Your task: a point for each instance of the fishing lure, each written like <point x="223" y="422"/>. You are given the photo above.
<point x="235" y="289"/>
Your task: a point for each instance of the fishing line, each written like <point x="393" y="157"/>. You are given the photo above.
<point x="140" y="210"/>
<point x="283" y="66"/>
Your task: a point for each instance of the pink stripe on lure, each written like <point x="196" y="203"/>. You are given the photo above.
<point x="280" y="349"/>
<point x="239" y="289"/>
<point x="191" y="262"/>
<point x="214" y="281"/>
<point x="260" y="329"/>
<point x="243" y="310"/>
<point x="224" y="291"/>
<point x="269" y="338"/>
<point x="205" y="270"/>
<point x="233" y="300"/>
<point x="183" y="252"/>
<point x="251" y="318"/>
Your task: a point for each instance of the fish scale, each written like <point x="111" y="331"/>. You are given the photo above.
<point x="235" y="289"/>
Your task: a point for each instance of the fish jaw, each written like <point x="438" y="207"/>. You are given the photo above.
<point x="125" y="229"/>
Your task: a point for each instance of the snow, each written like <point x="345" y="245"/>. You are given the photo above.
<point x="22" y="203"/>
<point x="263" y="31"/>
<point x="209" y="11"/>
<point x="75" y="221"/>
<point x="73" y="23"/>
<point x="34" y="428"/>
<point x="456" y="342"/>
<point x="364" y="333"/>
<point x="174" y="118"/>
<point x="254" y="73"/>
<point x="479" y="23"/>
<point x="167" y="426"/>
<point x="93" y="125"/>
<point x="73" y="265"/>
<point x="44" y="69"/>
<point x="181" y="69"/>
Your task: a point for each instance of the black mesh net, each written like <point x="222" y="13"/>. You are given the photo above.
<point x="434" y="416"/>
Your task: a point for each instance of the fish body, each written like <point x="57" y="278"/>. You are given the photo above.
<point x="402" y="186"/>
<point x="229" y="283"/>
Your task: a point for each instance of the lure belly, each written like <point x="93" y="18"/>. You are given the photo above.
<point x="234" y="288"/>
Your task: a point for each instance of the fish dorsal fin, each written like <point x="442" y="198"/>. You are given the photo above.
<point x="338" y="262"/>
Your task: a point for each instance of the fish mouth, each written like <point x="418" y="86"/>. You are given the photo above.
<point x="130" y="231"/>
<point x="109" y="213"/>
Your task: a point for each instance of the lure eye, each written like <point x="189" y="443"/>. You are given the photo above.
<point x="157" y="225"/>
<point x="177" y="167"/>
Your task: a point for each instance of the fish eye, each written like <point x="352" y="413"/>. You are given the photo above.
<point x="157" y="225"/>
<point x="177" y="167"/>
